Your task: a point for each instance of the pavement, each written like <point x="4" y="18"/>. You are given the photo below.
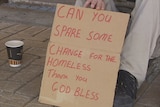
<point x="20" y="87"/>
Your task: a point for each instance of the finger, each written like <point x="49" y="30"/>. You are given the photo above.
<point x="87" y="3"/>
<point x="103" y="6"/>
<point x="93" y="4"/>
<point x="99" y="5"/>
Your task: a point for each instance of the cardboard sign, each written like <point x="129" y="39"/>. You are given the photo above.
<point x="83" y="57"/>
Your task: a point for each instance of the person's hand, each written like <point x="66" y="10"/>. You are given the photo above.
<point x="95" y="4"/>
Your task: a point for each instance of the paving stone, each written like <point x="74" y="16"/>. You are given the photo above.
<point x="2" y="47"/>
<point x="27" y="74"/>
<point x="4" y="75"/>
<point x="36" y="44"/>
<point x="9" y="86"/>
<point x="13" y="100"/>
<point x="142" y="90"/>
<point x="5" y="25"/>
<point x="153" y="69"/>
<point x="3" y="54"/>
<point x="4" y="105"/>
<point x="15" y="28"/>
<point x="32" y="31"/>
<point x="28" y="33"/>
<point x="38" y="105"/>
<point x="28" y="59"/>
<point x="6" y="67"/>
<point x="43" y="36"/>
<point x="20" y="36"/>
<point x="40" y="61"/>
<point x="26" y="16"/>
<point x="27" y="6"/>
<point x="35" y="103"/>
<point x="37" y="51"/>
<point x="44" y="2"/>
<point x="151" y="97"/>
<point x="140" y="105"/>
<point x="4" y="34"/>
<point x="156" y="81"/>
<point x="2" y="62"/>
<point x="32" y="88"/>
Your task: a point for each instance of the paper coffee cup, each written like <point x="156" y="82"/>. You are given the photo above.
<point x="14" y="51"/>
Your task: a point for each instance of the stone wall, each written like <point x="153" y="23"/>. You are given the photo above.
<point x="43" y="2"/>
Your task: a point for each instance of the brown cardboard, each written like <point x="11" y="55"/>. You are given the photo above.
<point x="81" y="71"/>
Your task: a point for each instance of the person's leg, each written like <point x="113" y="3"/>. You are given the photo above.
<point x="141" y="40"/>
<point x="137" y="50"/>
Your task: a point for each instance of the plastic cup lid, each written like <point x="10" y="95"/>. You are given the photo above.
<point x="14" y="43"/>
